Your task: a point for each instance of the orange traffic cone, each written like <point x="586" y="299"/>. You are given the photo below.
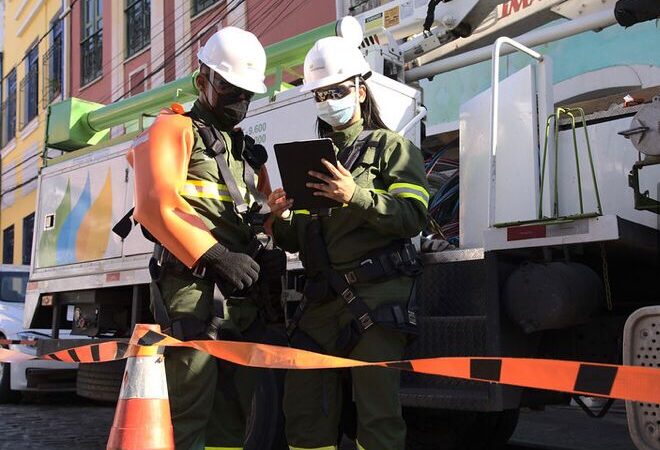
<point x="142" y="419"/>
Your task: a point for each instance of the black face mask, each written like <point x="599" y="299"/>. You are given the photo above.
<point x="230" y="114"/>
<point x="230" y="108"/>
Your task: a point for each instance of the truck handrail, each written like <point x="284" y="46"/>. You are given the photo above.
<point x="494" y="113"/>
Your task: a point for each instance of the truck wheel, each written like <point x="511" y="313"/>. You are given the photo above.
<point x="100" y="381"/>
<point x="430" y="429"/>
<point x="265" y="427"/>
<point x="507" y="421"/>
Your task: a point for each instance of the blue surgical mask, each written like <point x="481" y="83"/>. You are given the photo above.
<point x="337" y="112"/>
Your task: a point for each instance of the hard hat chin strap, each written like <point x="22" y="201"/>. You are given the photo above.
<point x="357" y="93"/>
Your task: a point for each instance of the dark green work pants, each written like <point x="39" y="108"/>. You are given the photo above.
<point x="313" y="398"/>
<point x="210" y="399"/>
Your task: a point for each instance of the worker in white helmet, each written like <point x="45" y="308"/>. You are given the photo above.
<point x="191" y="172"/>
<point x="359" y="261"/>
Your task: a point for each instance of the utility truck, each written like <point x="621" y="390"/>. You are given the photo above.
<point x="551" y="207"/>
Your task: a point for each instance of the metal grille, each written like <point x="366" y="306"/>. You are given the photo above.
<point x="28" y="93"/>
<point x="454" y="289"/>
<point x="91" y="50"/>
<point x="9" y="109"/>
<point x="648" y="355"/>
<point x="138" y="26"/>
<point x="9" y="119"/>
<point x="52" y="72"/>
<point x="446" y="336"/>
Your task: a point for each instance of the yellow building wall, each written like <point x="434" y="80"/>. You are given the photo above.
<point x="25" y="23"/>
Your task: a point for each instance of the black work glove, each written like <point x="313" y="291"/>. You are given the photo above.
<point x="237" y="269"/>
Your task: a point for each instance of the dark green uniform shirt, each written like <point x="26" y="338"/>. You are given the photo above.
<point x="390" y="201"/>
<point x="207" y="192"/>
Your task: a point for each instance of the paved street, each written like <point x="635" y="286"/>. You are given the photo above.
<point x="63" y="422"/>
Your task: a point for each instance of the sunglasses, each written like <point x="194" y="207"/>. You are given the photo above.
<point x="224" y="88"/>
<point x="333" y="93"/>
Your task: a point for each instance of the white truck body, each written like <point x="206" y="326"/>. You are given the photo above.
<point x="469" y="305"/>
<point x="80" y="199"/>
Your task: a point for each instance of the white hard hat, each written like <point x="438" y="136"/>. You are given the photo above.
<point x="238" y="57"/>
<point x="332" y="60"/>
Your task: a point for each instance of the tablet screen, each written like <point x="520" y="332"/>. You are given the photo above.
<point x="295" y="160"/>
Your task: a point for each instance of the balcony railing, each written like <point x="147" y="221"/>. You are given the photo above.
<point x="29" y="97"/>
<point x="8" y="122"/>
<point x="52" y="73"/>
<point x="138" y="26"/>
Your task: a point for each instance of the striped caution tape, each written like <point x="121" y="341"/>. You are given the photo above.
<point x="633" y="383"/>
<point x="7" y="342"/>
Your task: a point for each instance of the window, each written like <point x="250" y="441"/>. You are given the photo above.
<point x="53" y="69"/>
<point x="9" y="109"/>
<point x="13" y="286"/>
<point x="91" y="47"/>
<point x="28" y="230"/>
<point x="29" y="87"/>
<point x="201" y="5"/>
<point x="138" y="25"/>
<point x="8" y="245"/>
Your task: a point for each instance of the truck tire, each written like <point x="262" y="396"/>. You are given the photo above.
<point x="430" y="429"/>
<point x="265" y="425"/>
<point x="100" y="381"/>
<point x="6" y="394"/>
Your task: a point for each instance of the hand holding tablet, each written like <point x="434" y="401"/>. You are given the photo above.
<point x="296" y="160"/>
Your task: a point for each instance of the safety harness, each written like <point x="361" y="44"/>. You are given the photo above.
<point x="395" y="260"/>
<point x="255" y="215"/>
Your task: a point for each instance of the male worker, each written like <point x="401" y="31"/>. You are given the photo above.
<point x="195" y="176"/>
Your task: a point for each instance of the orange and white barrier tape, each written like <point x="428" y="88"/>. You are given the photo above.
<point x="7" y="342"/>
<point x="635" y="383"/>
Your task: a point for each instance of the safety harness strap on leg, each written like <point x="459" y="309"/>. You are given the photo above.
<point x="183" y="328"/>
<point x="392" y="261"/>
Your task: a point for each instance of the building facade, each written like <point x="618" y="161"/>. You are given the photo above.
<point x="103" y="51"/>
<point x="32" y="78"/>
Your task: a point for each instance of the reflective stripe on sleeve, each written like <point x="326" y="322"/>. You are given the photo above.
<point x="205" y="189"/>
<point x="409" y="190"/>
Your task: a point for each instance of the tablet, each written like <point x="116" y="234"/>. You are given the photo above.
<point x="295" y="160"/>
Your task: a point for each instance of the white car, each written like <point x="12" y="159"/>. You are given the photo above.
<point x="33" y="375"/>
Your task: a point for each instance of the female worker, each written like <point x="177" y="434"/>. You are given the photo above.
<point x="359" y="262"/>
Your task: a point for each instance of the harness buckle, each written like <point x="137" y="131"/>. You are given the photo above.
<point x="366" y="321"/>
<point x="348" y="295"/>
<point x="396" y="258"/>
<point x="412" y="317"/>
<point x="160" y="255"/>
<point x="199" y="271"/>
<point x="398" y="316"/>
<point x="351" y="277"/>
